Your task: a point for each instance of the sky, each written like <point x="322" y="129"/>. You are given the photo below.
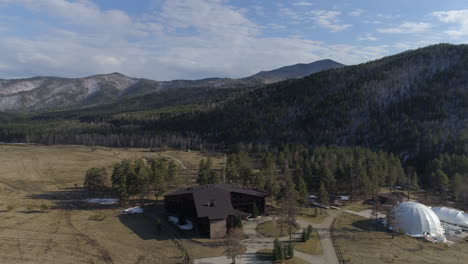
<point x="192" y="39"/>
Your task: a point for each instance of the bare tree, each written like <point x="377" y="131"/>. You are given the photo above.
<point x="391" y="222"/>
<point x="233" y="244"/>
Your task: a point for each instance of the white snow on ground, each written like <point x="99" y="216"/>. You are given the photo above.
<point x="101" y="200"/>
<point x="188" y="225"/>
<point x="133" y="210"/>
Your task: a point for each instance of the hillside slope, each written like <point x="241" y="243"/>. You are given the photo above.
<point x="41" y="93"/>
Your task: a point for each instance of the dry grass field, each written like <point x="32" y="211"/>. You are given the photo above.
<point x="40" y="222"/>
<point x="362" y="245"/>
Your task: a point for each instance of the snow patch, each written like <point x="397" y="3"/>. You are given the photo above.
<point x="133" y="210"/>
<point x="188" y="224"/>
<point x="101" y="200"/>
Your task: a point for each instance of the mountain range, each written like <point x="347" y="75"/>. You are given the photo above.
<point x="39" y="93"/>
<point x="414" y="104"/>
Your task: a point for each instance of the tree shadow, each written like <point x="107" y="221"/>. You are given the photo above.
<point x="369" y="225"/>
<point x="32" y="212"/>
<point x="73" y="198"/>
<point x="144" y="227"/>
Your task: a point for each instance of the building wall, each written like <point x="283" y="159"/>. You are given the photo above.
<point x="244" y="202"/>
<point x="180" y="205"/>
<point x="218" y="228"/>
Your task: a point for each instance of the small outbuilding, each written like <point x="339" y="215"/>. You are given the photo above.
<point x="213" y="206"/>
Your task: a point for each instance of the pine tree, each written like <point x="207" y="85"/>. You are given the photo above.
<point x="173" y="174"/>
<point x="143" y="176"/>
<point x="202" y="178"/>
<point x="456" y="185"/>
<point x="301" y="188"/>
<point x="119" y="182"/>
<point x="323" y="196"/>
<point x="158" y="178"/>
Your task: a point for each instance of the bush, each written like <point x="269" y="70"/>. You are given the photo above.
<point x="278" y="251"/>
<point x="310" y="229"/>
<point x="305" y="235"/>
<point x="97" y="217"/>
<point x="237" y="221"/>
<point x="289" y="250"/>
<point x="10" y="207"/>
<point x="44" y="207"/>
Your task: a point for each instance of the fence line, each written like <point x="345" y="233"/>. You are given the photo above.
<point x="341" y="257"/>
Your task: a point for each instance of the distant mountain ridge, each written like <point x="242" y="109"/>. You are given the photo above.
<point x="39" y="93"/>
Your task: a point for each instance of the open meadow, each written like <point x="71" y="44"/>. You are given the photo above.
<point x="44" y="220"/>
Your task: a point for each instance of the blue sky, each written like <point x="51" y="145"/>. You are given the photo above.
<point x="189" y="39"/>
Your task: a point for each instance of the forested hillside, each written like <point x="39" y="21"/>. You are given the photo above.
<point x="413" y="104"/>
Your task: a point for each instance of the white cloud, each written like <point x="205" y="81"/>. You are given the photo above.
<point x="367" y="37"/>
<point x="182" y="39"/>
<point x="276" y="26"/>
<point x="329" y="19"/>
<point x="406" y="28"/>
<point x="458" y="17"/>
<point x="303" y="3"/>
<point x="356" y="12"/>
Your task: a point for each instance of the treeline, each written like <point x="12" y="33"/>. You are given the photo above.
<point x="138" y="178"/>
<point x="412" y="104"/>
<point x="448" y="175"/>
<point x="328" y="171"/>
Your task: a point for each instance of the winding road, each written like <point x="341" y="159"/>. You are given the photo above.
<point x="255" y="242"/>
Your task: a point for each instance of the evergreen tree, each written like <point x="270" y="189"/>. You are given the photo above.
<point x="456" y="185"/>
<point x="323" y="195"/>
<point x="301" y="188"/>
<point x="202" y="178"/>
<point x="173" y="174"/>
<point x="278" y="251"/>
<point x="328" y="179"/>
<point x="143" y="176"/>
<point x="119" y="182"/>
<point x="290" y="250"/>
<point x="442" y="182"/>
<point x="94" y="179"/>
<point x="158" y="177"/>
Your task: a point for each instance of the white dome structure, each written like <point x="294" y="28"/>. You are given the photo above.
<point x="415" y="219"/>
<point x="451" y="216"/>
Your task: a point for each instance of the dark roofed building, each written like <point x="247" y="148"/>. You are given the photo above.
<point x="212" y="206"/>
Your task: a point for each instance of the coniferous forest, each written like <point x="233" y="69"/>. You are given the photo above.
<point x="410" y="108"/>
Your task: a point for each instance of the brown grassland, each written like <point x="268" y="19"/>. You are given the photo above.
<point x="39" y="222"/>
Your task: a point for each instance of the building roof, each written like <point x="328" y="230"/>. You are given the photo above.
<point x="223" y="186"/>
<point x="416" y="219"/>
<point x="213" y="200"/>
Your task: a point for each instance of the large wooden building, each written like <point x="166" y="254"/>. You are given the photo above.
<point x="213" y="206"/>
